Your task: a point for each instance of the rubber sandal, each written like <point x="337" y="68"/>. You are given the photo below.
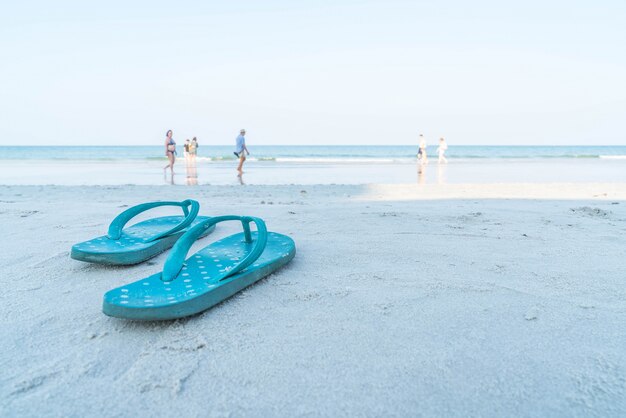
<point x="213" y="274"/>
<point x="141" y="241"/>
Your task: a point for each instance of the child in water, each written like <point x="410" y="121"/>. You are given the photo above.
<point x="193" y="148"/>
<point x="421" y="154"/>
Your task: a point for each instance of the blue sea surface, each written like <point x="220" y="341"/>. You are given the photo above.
<point x="311" y="153"/>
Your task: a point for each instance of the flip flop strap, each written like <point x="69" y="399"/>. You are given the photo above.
<point x="178" y="253"/>
<point x="115" y="229"/>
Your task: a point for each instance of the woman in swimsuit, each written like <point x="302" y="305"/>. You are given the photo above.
<point x="170" y="151"/>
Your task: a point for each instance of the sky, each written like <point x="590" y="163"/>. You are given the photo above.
<point x="313" y="72"/>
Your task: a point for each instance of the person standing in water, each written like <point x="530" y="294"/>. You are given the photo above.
<point x="170" y="151"/>
<point x="421" y="154"/>
<point x="241" y="150"/>
<point x="441" y="150"/>
<point x="186" y="149"/>
<point x="193" y="149"/>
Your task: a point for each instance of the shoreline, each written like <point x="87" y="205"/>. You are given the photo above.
<point x="149" y="172"/>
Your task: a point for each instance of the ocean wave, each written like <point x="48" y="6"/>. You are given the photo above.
<point x="217" y="158"/>
<point x="393" y="159"/>
<point x="613" y="157"/>
<point x="340" y="160"/>
<point x="316" y="154"/>
<point x="537" y="156"/>
<point x="198" y="158"/>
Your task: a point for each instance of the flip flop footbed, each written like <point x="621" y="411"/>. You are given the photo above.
<point x="131" y="248"/>
<point x="198" y="286"/>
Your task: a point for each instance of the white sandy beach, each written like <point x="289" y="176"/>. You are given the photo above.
<point x="457" y="300"/>
<point x="453" y="176"/>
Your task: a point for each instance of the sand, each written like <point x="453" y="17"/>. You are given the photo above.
<point x="464" y="300"/>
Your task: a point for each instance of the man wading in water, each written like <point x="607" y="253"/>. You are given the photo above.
<point x="241" y="150"/>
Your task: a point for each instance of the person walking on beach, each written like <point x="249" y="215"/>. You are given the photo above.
<point x="421" y="154"/>
<point x="241" y="150"/>
<point x="441" y="150"/>
<point x="170" y="151"/>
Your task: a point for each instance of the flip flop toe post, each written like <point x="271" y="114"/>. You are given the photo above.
<point x="141" y="241"/>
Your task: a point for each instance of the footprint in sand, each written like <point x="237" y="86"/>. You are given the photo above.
<point x="532" y="314"/>
<point x="590" y="212"/>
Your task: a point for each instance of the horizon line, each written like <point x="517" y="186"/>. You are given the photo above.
<point x="322" y="145"/>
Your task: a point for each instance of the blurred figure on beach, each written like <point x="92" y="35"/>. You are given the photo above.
<point x="186" y="149"/>
<point x="192" y="172"/>
<point x="441" y="173"/>
<point x="421" y="174"/>
<point x="421" y="154"/>
<point x="241" y="150"/>
<point x="193" y="149"/>
<point x="441" y="150"/>
<point x="170" y="151"/>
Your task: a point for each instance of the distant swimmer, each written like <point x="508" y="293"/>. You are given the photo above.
<point x="441" y="150"/>
<point x="421" y="154"/>
<point x="241" y="150"/>
<point x="170" y="151"/>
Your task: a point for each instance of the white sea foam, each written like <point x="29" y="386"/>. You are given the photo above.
<point x="319" y="160"/>
<point x="613" y="157"/>
<point x="340" y="160"/>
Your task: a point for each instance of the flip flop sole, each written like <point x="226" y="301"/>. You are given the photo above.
<point x="198" y="287"/>
<point x="130" y="248"/>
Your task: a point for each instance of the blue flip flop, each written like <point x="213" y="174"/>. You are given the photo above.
<point x="213" y="274"/>
<point x="143" y="240"/>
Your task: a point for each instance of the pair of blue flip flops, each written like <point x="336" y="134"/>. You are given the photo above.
<point x="186" y="286"/>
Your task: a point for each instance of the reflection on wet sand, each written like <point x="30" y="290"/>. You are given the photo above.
<point x="192" y="171"/>
<point x="421" y="173"/>
<point x="441" y="174"/>
<point x="170" y="180"/>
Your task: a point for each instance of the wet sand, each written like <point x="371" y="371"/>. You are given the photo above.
<point x="149" y="172"/>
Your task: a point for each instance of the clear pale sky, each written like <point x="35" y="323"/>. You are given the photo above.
<point x="313" y="72"/>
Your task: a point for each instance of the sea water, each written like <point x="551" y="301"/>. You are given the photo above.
<point x="312" y="153"/>
<point x="215" y="164"/>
